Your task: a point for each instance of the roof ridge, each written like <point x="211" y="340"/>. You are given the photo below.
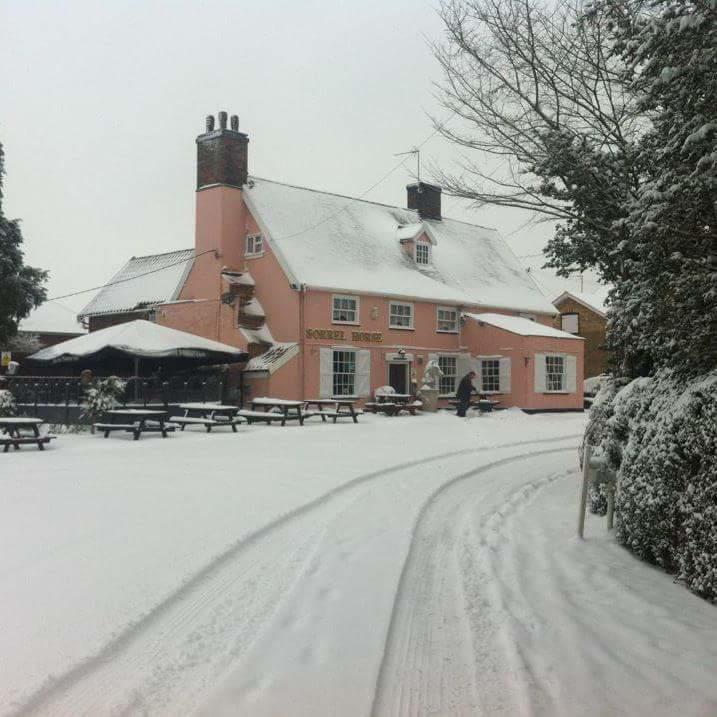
<point x="368" y="201"/>
<point x="164" y="253"/>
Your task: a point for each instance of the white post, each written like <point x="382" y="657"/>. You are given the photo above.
<point x="584" y="491"/>
<point x="610" y="505"/>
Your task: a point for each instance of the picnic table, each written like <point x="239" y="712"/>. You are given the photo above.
<point x="14" y="432"/>
<point x="333" y="408"/>
<point x="275" y="409"/>
<point x="209" y="415"/>
<point x="393" y="403"/>
<point x="135" y="421"/>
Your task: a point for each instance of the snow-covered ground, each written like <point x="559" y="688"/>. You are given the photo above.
<point x="402" y="566"/>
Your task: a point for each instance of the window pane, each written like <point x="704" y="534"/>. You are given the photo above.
<point x="345" y="309"/>
<point x="400" y="315"/>
<point x="447" y="320"/>
<point x="344" y="373"/>
<point x="447" y="364"/>
<point x="555" y="373"/>
<point x="490" y="375"/>
<point x="423" y="253"/>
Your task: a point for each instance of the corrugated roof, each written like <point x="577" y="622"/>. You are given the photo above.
<point x="143" y="281"/>
<point x="340" y="243"/>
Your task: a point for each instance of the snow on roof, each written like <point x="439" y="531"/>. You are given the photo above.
<point x="522" y="327"/>
<point x="333" y="242"/>
<point x="51" y="318"/>
<point x="138" y="338"/>
<point x="273" y="359"/>
<point x="160" y="278"/>
<point x="253" y="308"/>
<point x="595" y="300"/>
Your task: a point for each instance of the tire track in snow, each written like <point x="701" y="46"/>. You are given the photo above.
<point x="403" y="687"/>
<point x="96" y="674"/>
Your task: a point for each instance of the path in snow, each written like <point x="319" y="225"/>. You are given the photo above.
<point x="445" y="585"/>
<point x="168" y="660"/>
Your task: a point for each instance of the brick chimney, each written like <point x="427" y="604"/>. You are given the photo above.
<point x="222" y="154"/>
<point x="426" y="199"/>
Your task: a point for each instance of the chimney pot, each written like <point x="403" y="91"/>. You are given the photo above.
<point x="235" y="122"/>
<point x="222" y="157"/>
<point x="210" y="123"/>
<point x="222" y="120"/>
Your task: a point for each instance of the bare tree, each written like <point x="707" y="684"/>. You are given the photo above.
<point x="537" y="86"/>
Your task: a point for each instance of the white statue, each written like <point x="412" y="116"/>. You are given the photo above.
<point x="432" y="375"/>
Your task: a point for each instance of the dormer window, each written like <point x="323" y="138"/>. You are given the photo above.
<point x="423" y="253"/>
<point x="254" y="245"/>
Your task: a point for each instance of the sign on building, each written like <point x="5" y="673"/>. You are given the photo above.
<point x="5" y="358"/>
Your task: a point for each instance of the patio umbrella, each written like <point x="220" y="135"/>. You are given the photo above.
<point x="138" y="340"/>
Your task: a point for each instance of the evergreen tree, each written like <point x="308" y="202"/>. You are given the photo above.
<point x="21" y="286"/>
<point x="666" y="302"/>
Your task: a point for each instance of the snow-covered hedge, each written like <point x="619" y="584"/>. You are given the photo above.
<point x="7" y="404"/>
<point x="102" y="396"/>
<point x="661" y="435"/>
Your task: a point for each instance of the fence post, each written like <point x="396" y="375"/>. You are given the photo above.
<point x="67" y="403"/>
<point x="584" y="490"/>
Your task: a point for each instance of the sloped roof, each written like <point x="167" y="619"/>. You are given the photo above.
<point x="159" y="278"/>
<point x="272" y="359"/>
<point x="596" y="300"/>
<point x="522" y="327"/>
<point x="334" y="242"/>
<point x="51" y="318"/>
<point x="142" y="339"/>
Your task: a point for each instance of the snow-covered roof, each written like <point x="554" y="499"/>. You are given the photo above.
<point x="272" y="359"/>
<point x="160" y="278"/>
<point x="596" y="300"/>
<point x="51" y="318"/>
<point x="521" y="326"/>
<point x="334" y="242"/>
<point x="143" y="339"/>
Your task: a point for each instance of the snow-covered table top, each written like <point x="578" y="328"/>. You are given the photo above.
<point x="135" y="412"/>
<point x="18" y="421"/>
<point x="207" y="407"/>
<point x="275" y="402"/>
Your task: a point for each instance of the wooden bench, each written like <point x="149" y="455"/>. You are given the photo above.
<point x="268" y="416"/>
<point x="16" y="442"/>
<point x="208" y="423"/>
<point x="107" y="428"/>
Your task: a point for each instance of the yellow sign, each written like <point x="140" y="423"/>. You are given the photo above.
<point x="375" y="337"/>
<point x="5" y="358"/>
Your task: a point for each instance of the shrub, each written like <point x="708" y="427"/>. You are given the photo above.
<point x="662" y="439"/>
<point x="7" y="404"/>
<point x="102" y="396"/>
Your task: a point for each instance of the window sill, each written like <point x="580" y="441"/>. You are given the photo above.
<point x="447" y="331"/>
<point x="402" y="328"/>
<point x="559" y="393"/>
<point x="253" y="256"/>
<point x="347" y="323"/>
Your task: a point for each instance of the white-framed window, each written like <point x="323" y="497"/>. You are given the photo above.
<point x="530" y="317"/>
<point x="570" y="323"/>
<point x="254" y="245"/>
<point x="449" y="366"/>
<point x="344" y="372"/>
<point x="490" y="375"/>
<point x="423" y="253"/>
<point x="554" y="372"/>
<point x="447" y="319"/>
<point x="400" y="315"/>
<point x="345" y="309"/>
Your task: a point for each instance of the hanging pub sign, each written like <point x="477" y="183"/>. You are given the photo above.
<point x="375" y="337"/>
<point x="5" y="358"/>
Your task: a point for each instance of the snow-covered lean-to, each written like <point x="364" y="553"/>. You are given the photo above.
<point x="412" y="566"/>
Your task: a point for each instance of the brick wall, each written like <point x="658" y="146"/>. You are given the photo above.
<point x="591" y="327"/>
<point x="104" y="321"/>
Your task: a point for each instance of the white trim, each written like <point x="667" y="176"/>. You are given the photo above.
<point x="429" y="248"/>
<point x="455" y="310"/>
<point x="407" y="358"/>
<point x="357" y="299"/>
<point x="391" y="304"/>
<point x="253" y="254"/>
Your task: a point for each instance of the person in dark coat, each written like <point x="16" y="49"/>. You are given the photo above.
<point x="465" y="390"/>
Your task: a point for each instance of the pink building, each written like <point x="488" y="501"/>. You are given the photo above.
<point x="338" y="296"/>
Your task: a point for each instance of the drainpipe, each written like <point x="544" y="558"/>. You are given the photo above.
<point x="302" y="344"/>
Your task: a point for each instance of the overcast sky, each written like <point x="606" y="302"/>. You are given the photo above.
<point x="101" y="103"/>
